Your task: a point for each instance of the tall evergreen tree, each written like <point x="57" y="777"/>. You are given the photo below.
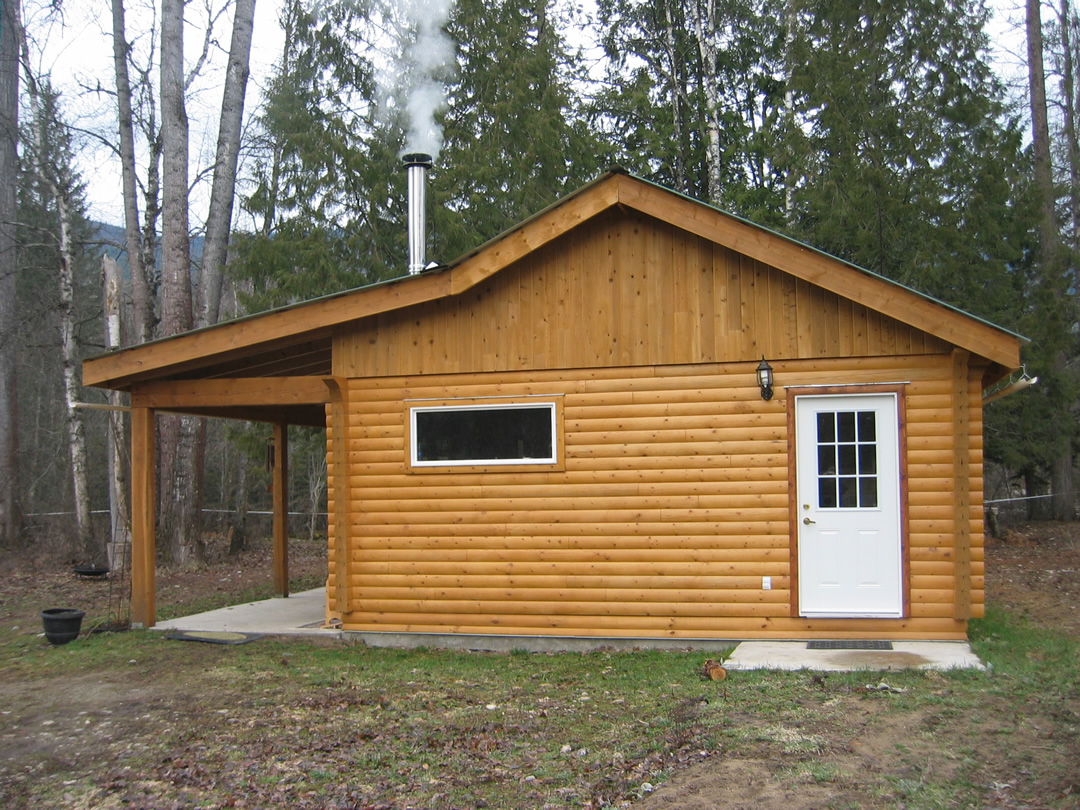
<point x="328" y="206"/>
<point x="324" y="211"/>
<point x="902" y="156"/>
<point x="1041" y="448"/>
<point x="694" y="97"/>
<point x="516" y="136"/>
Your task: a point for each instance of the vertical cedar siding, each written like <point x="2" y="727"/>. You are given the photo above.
<point x="672" y="502"/>
<point x="622" y="291"/>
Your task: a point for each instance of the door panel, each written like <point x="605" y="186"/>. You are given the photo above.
<point x="848" y="489"/>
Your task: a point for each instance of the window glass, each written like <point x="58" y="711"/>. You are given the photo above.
<point x="484" y="434"/>
<point x="847" y="460"/>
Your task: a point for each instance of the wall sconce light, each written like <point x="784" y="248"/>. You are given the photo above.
<point x="765" y="379"/>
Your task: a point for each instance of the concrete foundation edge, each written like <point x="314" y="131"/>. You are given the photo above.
<point x="494" y="643"/>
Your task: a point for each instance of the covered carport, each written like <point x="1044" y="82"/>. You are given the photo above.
<point x="276" y="367"/>
<point x="235" y="371"/>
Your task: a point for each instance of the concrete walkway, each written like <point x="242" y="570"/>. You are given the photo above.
<point x="303" y="614"/>
<point x="793" y="655"/>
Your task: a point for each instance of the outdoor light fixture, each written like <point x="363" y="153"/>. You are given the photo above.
<point x="764" y="378"/>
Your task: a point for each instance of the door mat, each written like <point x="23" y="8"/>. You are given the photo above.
<point x="849" y="644"/>
<point x="213" y="636"/>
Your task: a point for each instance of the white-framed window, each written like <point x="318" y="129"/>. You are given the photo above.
<point x="481" y="434"/>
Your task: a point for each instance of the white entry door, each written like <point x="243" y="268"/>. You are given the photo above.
<point x="848" y="490"/>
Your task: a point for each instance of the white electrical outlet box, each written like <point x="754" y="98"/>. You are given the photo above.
<point x="766" y="583"/>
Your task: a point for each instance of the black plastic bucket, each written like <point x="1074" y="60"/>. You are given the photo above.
<point x="62" y="624"/>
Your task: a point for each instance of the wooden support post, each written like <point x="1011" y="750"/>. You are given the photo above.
<point x="961" y="484"/>
<point x="281" y="509"/>
<point x="143" y="539"/>
<point x="339" y="475"/>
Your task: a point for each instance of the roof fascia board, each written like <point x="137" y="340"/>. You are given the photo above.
<point x="235" y="339"/>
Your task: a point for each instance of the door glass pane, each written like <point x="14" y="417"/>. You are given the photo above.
<point x="868" y="492"/>
<point x="849" y="492"/>
<point x="847" y="460"/>
<point x="827" y="492"/>
<point x="868" y="459"/>
<point x="826" y="427"/>
<point x="827" y="459"/>
<point x="867" y="426"/>
<point x="845" y="426"/>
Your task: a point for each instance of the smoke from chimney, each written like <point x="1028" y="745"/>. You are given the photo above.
<point x="414" y="83"/>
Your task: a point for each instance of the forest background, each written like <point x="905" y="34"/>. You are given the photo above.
<point x="881" y="132"/>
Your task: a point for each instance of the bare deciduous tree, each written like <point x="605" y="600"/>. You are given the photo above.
<point x="223" y="192"/>
<point x="10" y="21"/>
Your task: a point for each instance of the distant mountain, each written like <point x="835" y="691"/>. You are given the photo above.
<point x="111" y="239"/>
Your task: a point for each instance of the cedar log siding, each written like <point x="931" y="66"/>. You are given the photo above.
<point x="670" y="500"/>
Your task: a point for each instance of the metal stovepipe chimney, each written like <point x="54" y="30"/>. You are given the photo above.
<point x="417" y="165"/>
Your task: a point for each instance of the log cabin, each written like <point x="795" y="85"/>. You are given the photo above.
<point x="632" y="417"/>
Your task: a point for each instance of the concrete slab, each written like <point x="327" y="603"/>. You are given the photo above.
<point x="793" y="655"/>
<point x="301" y="614"/>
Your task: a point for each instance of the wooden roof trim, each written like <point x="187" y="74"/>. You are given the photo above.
<point x="235" y="339"/>
<point x="824" y="271"/>
<point x="293" y="400"/>
<point x="302" y="416"/>
<point x="225" y="393"/>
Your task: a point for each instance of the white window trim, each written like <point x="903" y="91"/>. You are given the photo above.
<point x="487" y="406"/>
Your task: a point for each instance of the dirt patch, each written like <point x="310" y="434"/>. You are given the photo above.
<point x="1035" y="569"/>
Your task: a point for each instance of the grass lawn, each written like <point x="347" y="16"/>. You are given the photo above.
<point x="136" y="721"/>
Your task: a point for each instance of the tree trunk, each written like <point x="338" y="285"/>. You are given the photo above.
<point x="316" y="490"/>
<point x="1038" y="506"/>
<point x="677" y="89"/>
<point x="1062" y="506"/>
<point x="790" y="19"/>
<point x="179" y="492"/>
<point x="1062" y="471"/>
<point x="705" y="23"/>
<point x="238" y="527"/>
<point x="1071" y="100"/>
<point x="1064" y="494"/>
<point x="1040" y="133"/>
<point x="223" y="192"/>
<point x="10" y="517"/>
<point x="176" y="309"/>
<point x="69" y="351"/>
<point x="140" y="288"/>
<point x="1068" y="82"/>
<point x="119" y="548"/>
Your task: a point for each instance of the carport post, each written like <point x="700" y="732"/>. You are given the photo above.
<point x="281" y="509"/>
<point x="143" y="539"/>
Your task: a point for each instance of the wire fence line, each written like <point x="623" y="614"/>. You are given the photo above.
<point x="205" y="511"/>
<point x="1019" y="498"/>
